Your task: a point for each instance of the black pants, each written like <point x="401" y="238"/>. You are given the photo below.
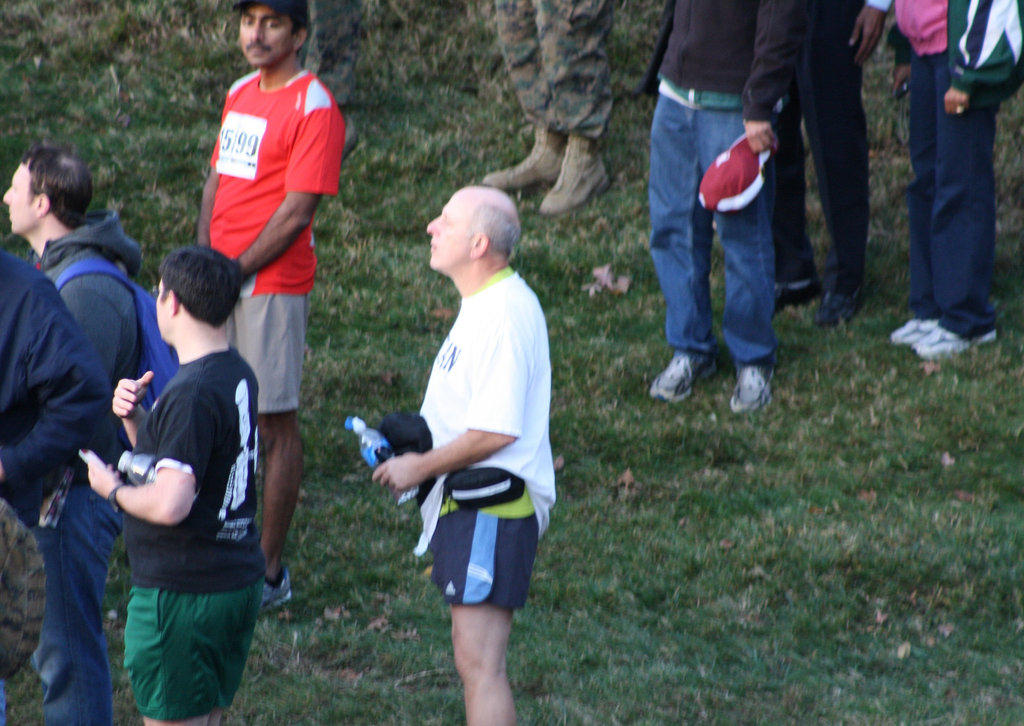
<point x="826" y="94"/>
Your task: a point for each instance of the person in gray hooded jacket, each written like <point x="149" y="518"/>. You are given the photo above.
<point x="47" y="201"/>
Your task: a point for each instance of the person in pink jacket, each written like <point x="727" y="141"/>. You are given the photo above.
<point x="966" y="58"/>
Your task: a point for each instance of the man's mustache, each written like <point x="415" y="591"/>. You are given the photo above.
<point x="257" y="46"/>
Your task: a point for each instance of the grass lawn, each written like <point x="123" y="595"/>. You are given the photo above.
<point x="851" y="554"/>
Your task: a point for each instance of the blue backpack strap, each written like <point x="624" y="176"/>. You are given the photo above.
<point x="90" y="266"/>
<point x="154" y="353"/>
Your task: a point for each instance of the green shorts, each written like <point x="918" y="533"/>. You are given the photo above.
<point x="186" y="652"/>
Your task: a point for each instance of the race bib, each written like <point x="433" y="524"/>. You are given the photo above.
<point x="240" y="139"/>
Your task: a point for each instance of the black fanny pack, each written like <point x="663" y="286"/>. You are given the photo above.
<point x="483" y="487"/>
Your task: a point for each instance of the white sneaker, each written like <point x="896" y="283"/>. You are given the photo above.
<point x="753" y="390"/>
<point x="912" y="331"/>
<point x="942" y="343"/>
<point x="676" y="382"/>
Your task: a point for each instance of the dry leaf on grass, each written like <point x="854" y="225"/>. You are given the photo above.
<point x="930" y="367"/>
<point x="903" y="651"/>
<point x="335" y="613"/>
<point x="409" y="634"/>
<point x="963" y="496"/>
<point x="347" y="674"/>
<point x="379" y="623"/>
<point x="881" y="617"/>
<point x="559" y="462"/>
<point x="945" y="630"/>
<point x="867" y="495"/>
<point x="626" y="482"/>
<point x="442" y="313"/>
<point x="726" y="544"/>
<point x="946" y="459"/>
<point x="605" y="280"/>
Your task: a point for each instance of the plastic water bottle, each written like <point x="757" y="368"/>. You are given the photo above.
<point x="375" y="449"/>
<point x="139" y="469"/>
<point x="372" y="444"/>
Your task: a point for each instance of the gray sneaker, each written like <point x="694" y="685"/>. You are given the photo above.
<point x="753" y="389"/>
<point x="676" y="382"/>
<point x="274" y="596"/>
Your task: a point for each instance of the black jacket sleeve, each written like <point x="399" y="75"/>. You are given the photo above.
<point x="781" y="26"/>
<point x="649" y="83"/>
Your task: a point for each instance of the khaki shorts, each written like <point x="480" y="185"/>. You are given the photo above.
<point x="270" y="333"/>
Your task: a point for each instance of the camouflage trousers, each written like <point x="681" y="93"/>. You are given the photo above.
<point x="555" y="55"/>
<point x="333" y="45"/>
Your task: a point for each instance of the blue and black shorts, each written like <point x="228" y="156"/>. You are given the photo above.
<point x="479" y="558"/>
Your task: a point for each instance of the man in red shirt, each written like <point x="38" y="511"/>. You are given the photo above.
<point x="278" y="152"/>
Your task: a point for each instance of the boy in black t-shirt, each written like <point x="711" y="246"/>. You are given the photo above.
<point x="190" y="534"/>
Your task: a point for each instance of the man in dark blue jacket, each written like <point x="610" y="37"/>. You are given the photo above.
<point x="47" y="203"/>
<point x="52" y="389"/>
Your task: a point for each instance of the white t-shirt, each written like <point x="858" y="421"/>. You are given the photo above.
<point x="493" y="373"/>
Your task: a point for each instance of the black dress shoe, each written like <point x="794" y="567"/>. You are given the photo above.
<point x="796" y="293"/>
<point x="837" y="308"/>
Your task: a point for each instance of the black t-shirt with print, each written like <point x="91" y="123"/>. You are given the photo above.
<point x="205" y="418"/>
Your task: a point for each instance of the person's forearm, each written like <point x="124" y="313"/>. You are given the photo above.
<point x="132" y="426"/>
<point x="166" y="501"/>
<point x="408" y="470"/>
<point x="470" y="448"/>
<point x="281" y="230"/>
<point x="206" y="208"/>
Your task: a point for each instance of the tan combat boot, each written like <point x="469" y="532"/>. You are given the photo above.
<point x="542" y="166"/>
<point x="582" y="178"/>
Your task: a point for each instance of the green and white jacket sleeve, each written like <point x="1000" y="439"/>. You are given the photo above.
<point x="985" y="48"/>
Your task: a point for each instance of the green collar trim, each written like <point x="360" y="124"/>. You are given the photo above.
<point x="497" y="277"/>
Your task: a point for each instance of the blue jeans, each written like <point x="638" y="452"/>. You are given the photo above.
<point x="951" y="204"/>
<point x="72" y="655"/>
<point x="684" y="143"/>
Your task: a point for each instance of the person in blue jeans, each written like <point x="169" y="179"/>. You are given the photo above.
<point x="966" y="59"/>
<point x="47" y="202"/>
<point x="726" y="66"/>
<point x="52" y="391"/>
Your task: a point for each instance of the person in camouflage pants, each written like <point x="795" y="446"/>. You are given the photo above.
<point x="332" y="52"/>
<point x="555" y="54"/>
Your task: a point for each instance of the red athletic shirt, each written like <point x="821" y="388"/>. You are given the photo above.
<point x="272" y="143"/>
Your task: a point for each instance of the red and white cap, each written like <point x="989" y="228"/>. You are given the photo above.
<point x="734" y="179"/>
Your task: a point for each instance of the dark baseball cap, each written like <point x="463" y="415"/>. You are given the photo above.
<point x="294" y="9"/>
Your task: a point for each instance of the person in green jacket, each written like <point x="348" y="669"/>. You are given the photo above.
<point x="965" y="59"/>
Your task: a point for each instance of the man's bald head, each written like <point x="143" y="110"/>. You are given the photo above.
<point x="494" y="215"/>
